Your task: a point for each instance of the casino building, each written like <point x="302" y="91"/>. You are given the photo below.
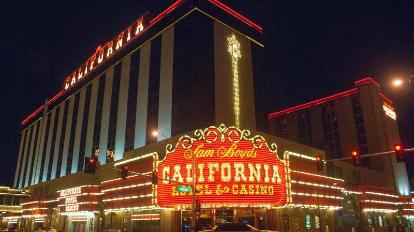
<point x="188" y="67"/>
<point x="190" y="74"/>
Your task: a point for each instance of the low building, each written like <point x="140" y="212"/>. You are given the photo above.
<point x="241" y="176"/>
<point x="10" y="205"/>
<point x="361" y="119"/>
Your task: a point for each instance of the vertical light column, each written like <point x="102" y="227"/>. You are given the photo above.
<point x="78" y="130"/>
<point x="39" y="153"/>
<point x="122" y="108"/>
<point x="106" y="109"/>
<point x="67" y="136"/>
<point x="166" y="82"/>
<point x="22" y="140"/>
<point x="235" y="52"/>
<point x="48" y="146"/>
<point x="142" y="96"/>
<point x="26" y="149"/>
<point x="35" y="150"/>
<point x="30" y="156"/>
<point x="57" y="141"/>
<point x="91" y="118"/>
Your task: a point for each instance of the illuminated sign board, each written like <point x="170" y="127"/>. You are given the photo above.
<point x="389" y="111"/>
<point x="232" y="168"/>
<point x="104" y="52"/>
<point x="71" y="191"/>
<point x="70" y="198"/>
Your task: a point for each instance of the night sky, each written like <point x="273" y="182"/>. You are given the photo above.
<point x="312" y="49"/>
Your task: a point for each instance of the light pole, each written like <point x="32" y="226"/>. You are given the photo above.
<point x="156" y="134"/>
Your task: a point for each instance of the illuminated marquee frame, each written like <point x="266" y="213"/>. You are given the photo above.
<point x="233" y="169"/>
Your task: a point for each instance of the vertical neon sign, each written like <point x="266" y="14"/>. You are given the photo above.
<point x="234" y="50"/>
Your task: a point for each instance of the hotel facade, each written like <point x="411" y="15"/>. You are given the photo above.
<point x="360" y="119"/>
<point x="189" y="74"/>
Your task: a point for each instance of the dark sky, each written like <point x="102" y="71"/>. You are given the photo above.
<point x="312" y="49"/>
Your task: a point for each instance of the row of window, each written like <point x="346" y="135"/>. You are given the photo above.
<point x="119" y="109"/>
<point x="91" y="118"/>
<point x="330" y="128"/>
<point x="57" y="156"/>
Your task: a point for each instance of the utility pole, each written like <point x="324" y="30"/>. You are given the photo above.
<point x="193" y="190"/>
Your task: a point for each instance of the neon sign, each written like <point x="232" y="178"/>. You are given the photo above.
<point x="104" y="52"/>
<point x="389" y="111"/>
<point x="71" y="191"/>
<point x="71" y="199"/>
<point x="235" y="53"/>
<point x="232" y="168"/>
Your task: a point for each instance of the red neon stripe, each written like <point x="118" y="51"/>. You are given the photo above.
<point x="166" y="12"/>
<point x="385" y="98"/>
<point x="54" y="98"/>
<point x="40" y="109"/>
<point x="237" y="15"/>
<point x="367" y="80"/>
<point x="32" y="115"/>
<point x="312" y="103"/>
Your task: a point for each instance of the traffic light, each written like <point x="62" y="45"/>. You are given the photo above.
<point x="399" y="152"/>
<point x="90" y="165"/>
<point x="124" y="172"/>
<point x="356" y="158"/>
<point x="154" y="177"/>
<point x="197" y="206"/>
<point x="319" y="163"/>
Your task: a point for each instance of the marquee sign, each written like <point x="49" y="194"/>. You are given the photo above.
<point x="232" y="168"/>
<point x="70" y="199"/>
<point x="102" y="53"/>
<point x="79" y="199"/>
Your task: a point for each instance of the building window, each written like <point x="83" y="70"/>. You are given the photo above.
<point x="42" y="158"/>
<point x="98" y="114"/>
<point x="52" y="147"/>
<point x="360" y="129"/>
<point x="26" y="161"/>
<point x="193" y="70"/>
<point x="62" y="138"/>
<point x="84" y="127"/>
<point x="281" y="127"/>
<point x="331" y="132"/>
<point x="153" y="89"/>
<point x="304" y="128"/>
<point x="22" y="155"/>
<point x="72" y="134"/>
<point x="34" y="152"/>
<point x="132" y="101"/>
<point x="113" y="112"/>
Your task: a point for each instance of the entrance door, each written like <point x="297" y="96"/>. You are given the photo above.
<point x="79" y="226"/>
<point x="145" y="226"/>
<point x="224" y="216"/>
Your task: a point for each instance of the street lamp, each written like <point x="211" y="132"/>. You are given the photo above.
<point x="156" y="133"/>
<point x="398" y="82"/>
